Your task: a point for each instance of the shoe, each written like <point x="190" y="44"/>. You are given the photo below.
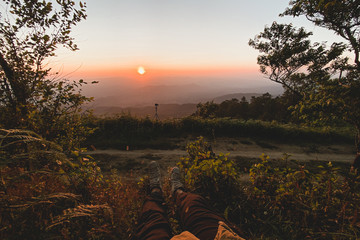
<point x="175" y="180"/>
<point x="154" y="175"/>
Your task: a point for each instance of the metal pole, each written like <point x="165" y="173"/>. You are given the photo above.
<point x="156" y="112"/>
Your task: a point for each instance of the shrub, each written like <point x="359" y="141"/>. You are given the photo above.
<point x="297" y="203"/>
<point x="122" y="131"/>
<point x="209" y="174"/>
<point x="282" y="201"/>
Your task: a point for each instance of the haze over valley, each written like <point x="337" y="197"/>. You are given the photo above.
<point x="175" y="99"/>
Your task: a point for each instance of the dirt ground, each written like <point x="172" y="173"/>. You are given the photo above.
<point x="135" y="161"/>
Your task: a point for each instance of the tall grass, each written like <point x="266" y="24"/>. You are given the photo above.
<point x="45" y="194"/>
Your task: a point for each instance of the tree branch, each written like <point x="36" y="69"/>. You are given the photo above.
<point x="9" y="73"/>
<point x="354" y="45"/>
<point x="16" y="89"/>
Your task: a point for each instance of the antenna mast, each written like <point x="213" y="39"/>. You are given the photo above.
<point x="156" y="112"/>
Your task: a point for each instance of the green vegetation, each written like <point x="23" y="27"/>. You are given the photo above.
<point x="209" y="174"/>
<point x="322" y="78"/>
<point x="282" y="202"/>
<point x="31" y="96"/>
<point x="45" y="194"/>
<point x="265" y="108"/>
<point x="119" y="132"/>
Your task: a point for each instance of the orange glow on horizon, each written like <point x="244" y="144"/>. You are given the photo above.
<point x="154" y="72"/>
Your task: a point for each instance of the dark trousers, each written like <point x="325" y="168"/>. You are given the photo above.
<point x="196" y="216"/>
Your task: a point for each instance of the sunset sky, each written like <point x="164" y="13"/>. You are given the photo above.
<point x="174" y="41"/>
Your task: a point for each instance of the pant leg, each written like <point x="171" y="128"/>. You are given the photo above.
<point x="197" y="217"/>
<point x="153" y="221"/>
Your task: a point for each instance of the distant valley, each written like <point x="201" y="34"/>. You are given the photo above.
<point x="165" y="110"/>
<point x="175" y="101"/>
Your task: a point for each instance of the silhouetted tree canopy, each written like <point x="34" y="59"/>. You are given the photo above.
<point x="30" y="97"/>
<point x="325" y="80"/>
<point x="264" y="108"/>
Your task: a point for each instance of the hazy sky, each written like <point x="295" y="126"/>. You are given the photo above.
<point x="187" y="40"/>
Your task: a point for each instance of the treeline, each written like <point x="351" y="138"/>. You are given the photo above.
<point x="265" y="108"/>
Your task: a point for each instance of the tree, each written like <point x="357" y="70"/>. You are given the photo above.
<point x="326" y="83"/>
<point x="265" y="108"/>
<point x="288" y="54"/>
<point x="340" y="96"/>
<point x="244" y="109"/>
<point x="229" y="108"/>
<point x="342" y="17"/>
<point x="207" y="110"/>
<point x="30" y="96"/>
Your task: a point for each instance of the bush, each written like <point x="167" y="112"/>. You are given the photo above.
<point x="297" y="203"/>
<point x="286" y="201"/>
<point x="122" y="131"/>
<point x="209" y="174"/>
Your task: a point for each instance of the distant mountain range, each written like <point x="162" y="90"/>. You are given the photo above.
<point x="165" y="111"/>
<point x="173" y="94"/>
<point x="174" y="101"/>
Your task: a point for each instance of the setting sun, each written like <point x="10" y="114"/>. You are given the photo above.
<point x="141" y="70"/>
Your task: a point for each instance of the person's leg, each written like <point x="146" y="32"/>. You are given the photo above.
<point x="196" y="216"/>
<point x="153" y="221"/>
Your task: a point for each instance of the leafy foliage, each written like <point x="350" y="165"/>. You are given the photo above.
<point x="322" y="77"/>
<point x="279" y="202"/>
<point x="265" y="108"/>
<point x="320" y="204"/>
<point x="214" y="176"/>
<point x="119" y="132"/>
<point x="30" y="96"/>
<point x="342" y="17"/>
<point x="286" y="50"/>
